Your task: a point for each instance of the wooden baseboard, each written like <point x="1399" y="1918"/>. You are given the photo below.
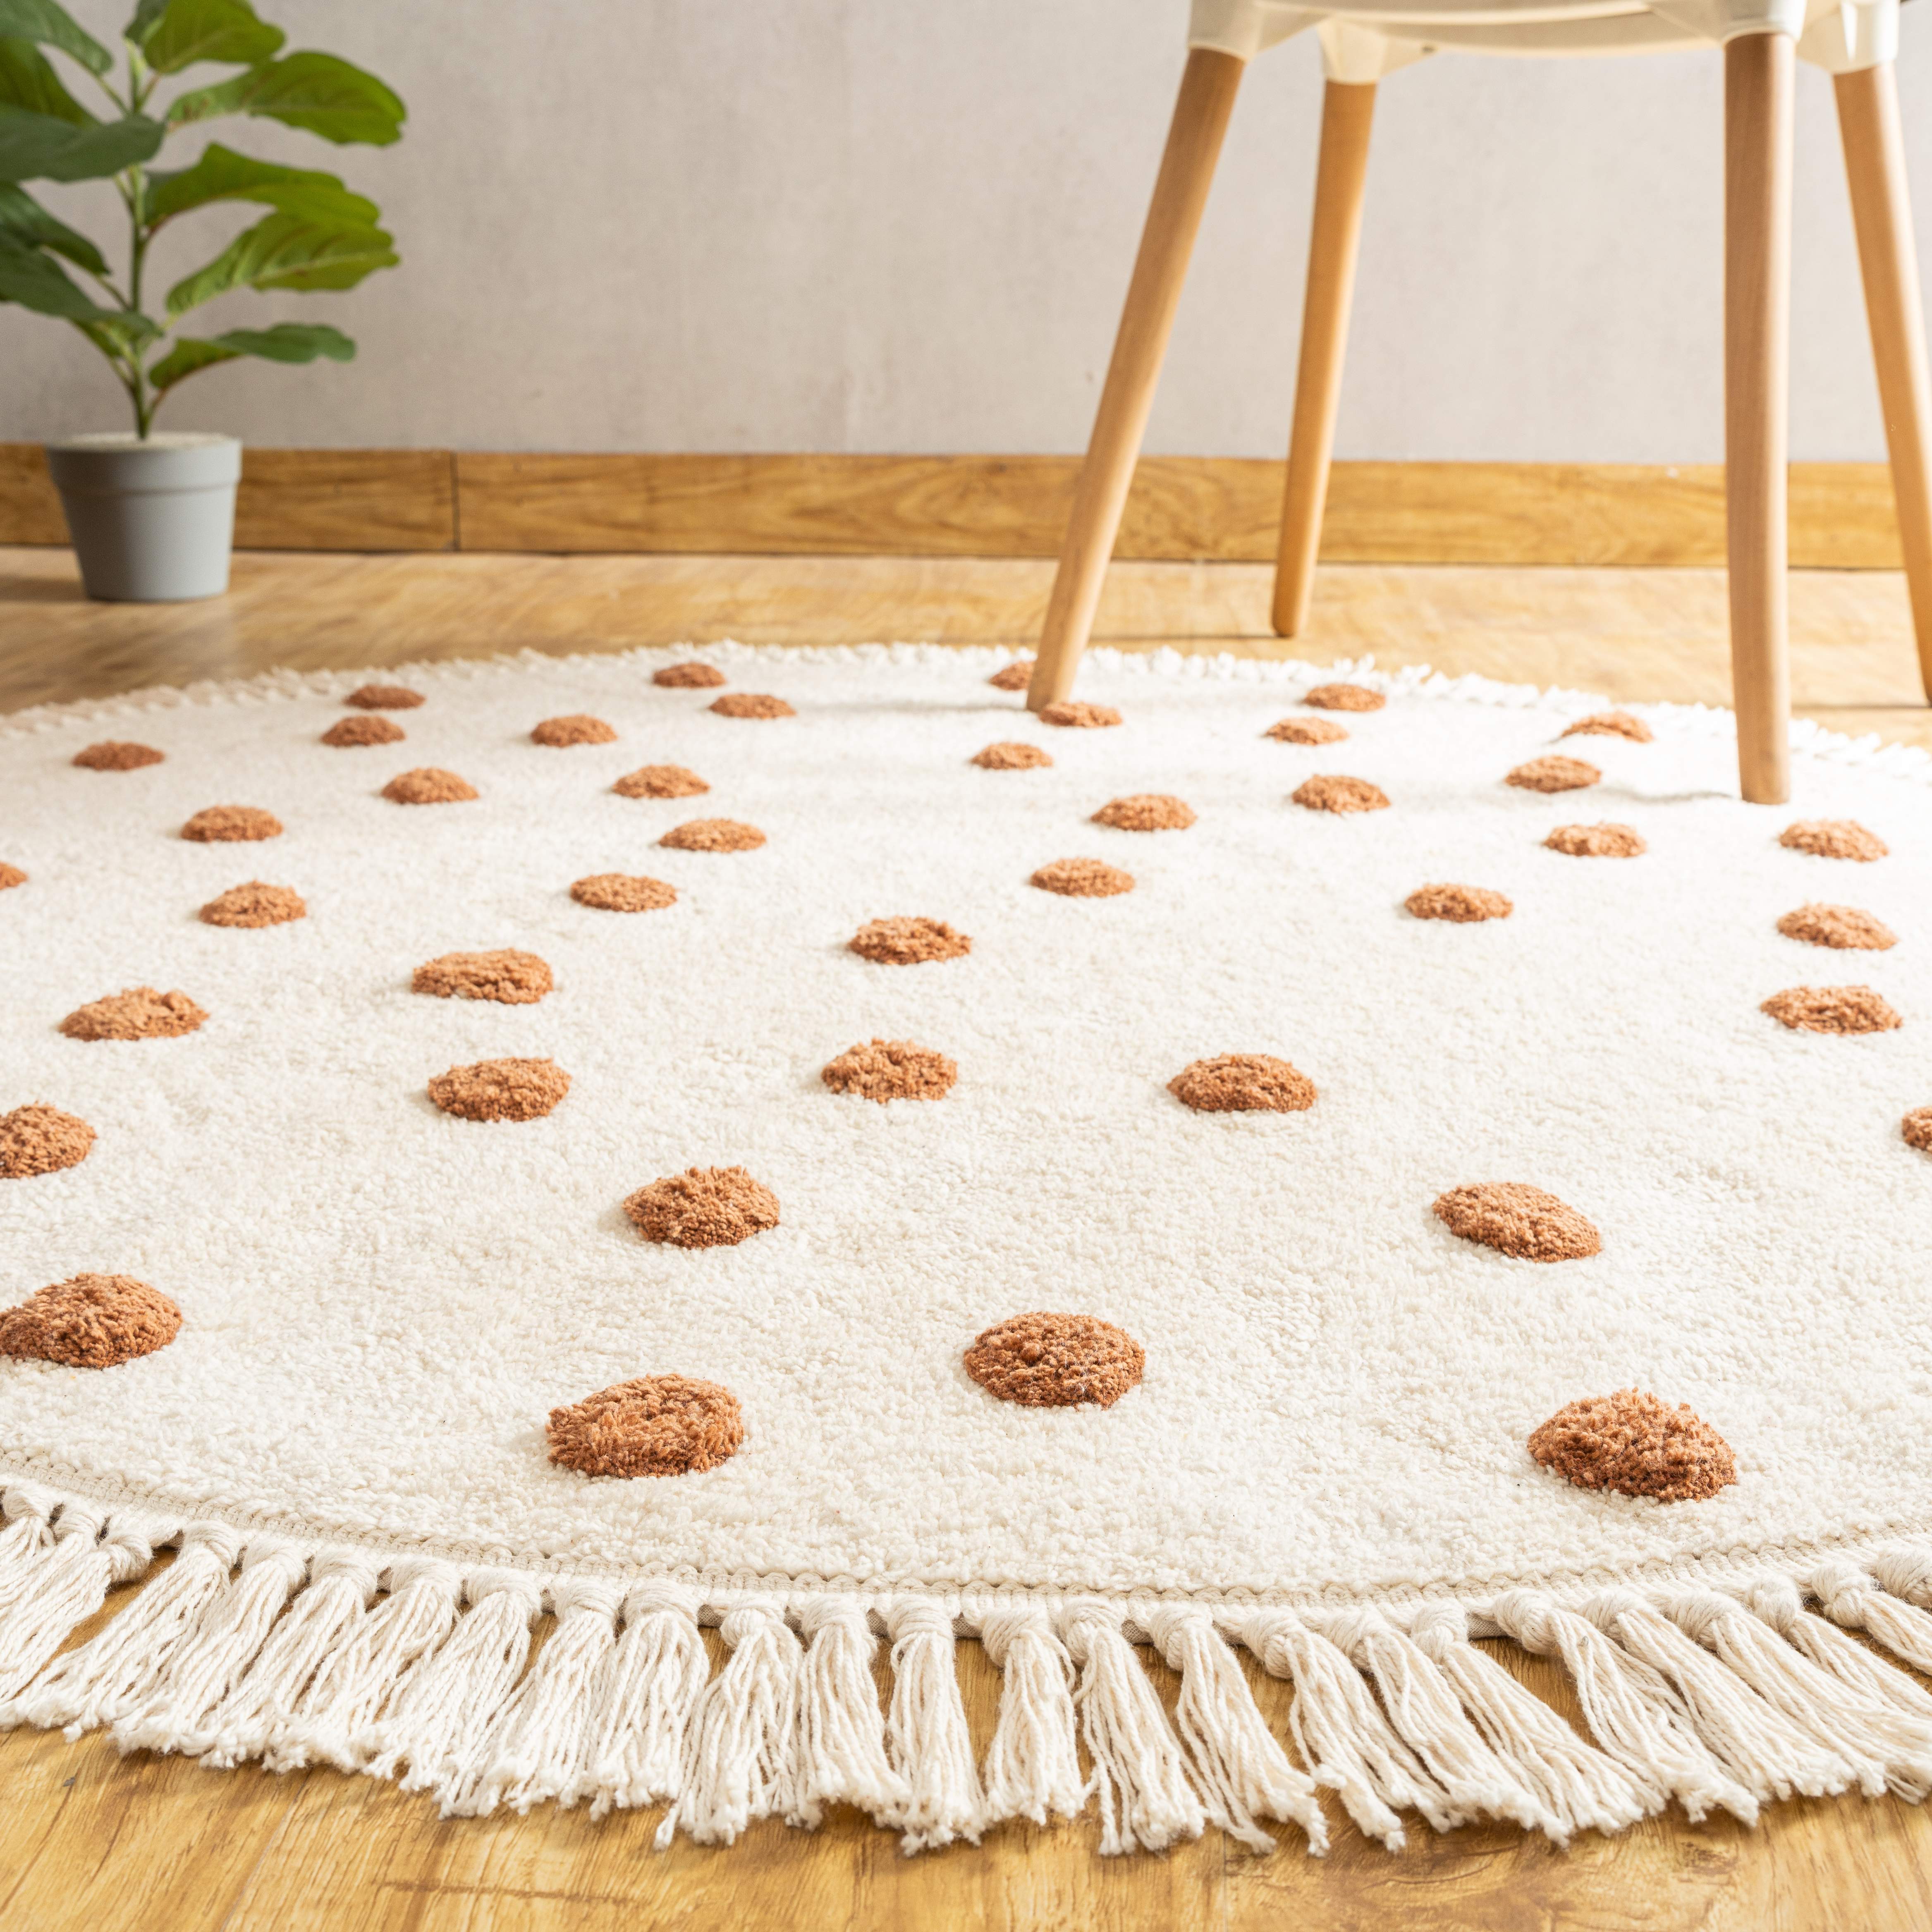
<point x="355" y="499"/>
<point x="1217" y="509"/>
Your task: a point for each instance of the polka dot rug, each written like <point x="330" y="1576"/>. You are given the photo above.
<point x="1244" y="1263"/>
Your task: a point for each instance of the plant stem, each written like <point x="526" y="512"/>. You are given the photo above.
<point x="134" y="190"/>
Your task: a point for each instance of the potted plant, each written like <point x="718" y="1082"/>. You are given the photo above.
<point x="152" y="516"/>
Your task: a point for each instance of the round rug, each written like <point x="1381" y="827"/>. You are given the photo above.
<point x="383" y="1301"/>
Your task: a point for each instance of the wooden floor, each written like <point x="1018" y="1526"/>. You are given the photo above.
<point x="89" y="1840"/>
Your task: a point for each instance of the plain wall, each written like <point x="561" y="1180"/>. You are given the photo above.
<point x="866" y="225"/>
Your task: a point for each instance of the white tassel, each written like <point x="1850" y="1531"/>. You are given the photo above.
<point x="209" y="1662"/>
<point x="1778" y="1601"/>
<point x="333" y="1720"/>
<point x="1763" y="1748"/>
<point x="1033" y="1765"/>
<point x="28" y="1512"/>
<point x="1240" y="1763"/>
<point x="1578" y="1787"/>
<point x="1343" y="1737"/>
<point x="342" y="1583"/>
<point x="642" y="1704"/>
<point x="440" y="1714"/>
<point x="1882" y="1605"/>
<point x="739" y="1764"/>
<point x="535" y="1748"/>
<point x="1423" y="1711"/>
<point x="1146" y="1796"/>
<point x="926" y="1736"/>
<point x="1884" y="1748"/>
<point x="1630" y="1709"/>
<point x="839" y="1746"/>
<point x="1905" y="1569"/>
<point x="60" y="1586"/>
<point x="115" y="1669"/>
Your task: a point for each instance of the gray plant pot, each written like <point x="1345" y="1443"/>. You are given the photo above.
<point x="152" y="522"/>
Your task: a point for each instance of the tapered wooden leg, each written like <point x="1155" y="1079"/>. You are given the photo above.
<point x="1347" y="110"/>
<point x="1758" y="71"/>
<point x="1875" y="166"/>
<point x="1207" y="89"/>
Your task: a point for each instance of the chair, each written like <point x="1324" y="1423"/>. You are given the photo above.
<point x="1363" y="41"/>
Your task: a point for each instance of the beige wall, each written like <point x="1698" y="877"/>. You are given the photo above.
<point x="876" y="225"/>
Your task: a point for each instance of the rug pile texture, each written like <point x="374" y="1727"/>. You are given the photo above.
<point x="1323" y="1455"/>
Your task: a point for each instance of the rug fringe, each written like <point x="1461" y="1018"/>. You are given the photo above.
<point x="1245" y="1772"/>
<point x="1033" y="1765"/>
<point x="739" y="1767"/>
<point x="1146" y="1797"/>
<point x="442" y="1711"/>
<point x="839" y="1738"/>
<point x="1577" y="1787"/>
<point x="926" y="1736"/>
<point x="1340" y="1731"/>
<point x="1717" y="1698"/>
<point x="333" y="1718"/>
<point x="642" y="1707"/>
<point x="1883" y="1747"/>
<point x="1882" y="1604"/>
<point x="59" y="1575"/>
<point x="212" y="1658"/>
<point x="1630" y="1709"/>
<point x="28" y="1512"/>
<point x="535" y="1748"/>
<point x="1425" y="1713"/>
<point x="1761" y="1748"/>
<point x="110" y="1673"/>
<point x="342" y="1584"/>
<point x="1777" y="1600"/>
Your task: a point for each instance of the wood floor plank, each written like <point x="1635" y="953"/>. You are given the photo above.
<point x="1632" y="634"/>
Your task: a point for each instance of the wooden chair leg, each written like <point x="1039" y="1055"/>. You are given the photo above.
<point x="1758" y="87"/>
<point x="1347" y="110"/>
<point x="1207" y="89"/>
<point x="1875" y="167"/>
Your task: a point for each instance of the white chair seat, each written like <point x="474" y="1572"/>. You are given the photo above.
<point x="1363" y="40"/>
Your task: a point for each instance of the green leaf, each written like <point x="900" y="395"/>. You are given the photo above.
<point x="25" y="220"/>
<point x="229" y="30"/>
<point x="28" y="81"/>
<point x="53" y="26"/>
<point x="120" y="332"/>
<point x="36" y="281"/>
<point x="146" y="17"/>
<point x="286" y="342"/>
<point x="38" y="147"/>
<point x="222" y="174"/>
<point x="315" y="92"/>
<point x="284" y="251"/>
<point x="189" y="355"/>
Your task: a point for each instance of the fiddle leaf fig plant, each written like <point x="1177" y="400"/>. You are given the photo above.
<point x="315" y="234"/>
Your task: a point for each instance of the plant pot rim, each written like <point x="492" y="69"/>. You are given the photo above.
<point x="121" y="441"/>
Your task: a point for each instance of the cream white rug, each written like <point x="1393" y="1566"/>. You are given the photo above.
<point x="1325" y="1459"/>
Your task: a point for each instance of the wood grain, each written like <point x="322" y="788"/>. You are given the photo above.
<point x="1208" y="84"/>
<point x="1759" y="80"/>
<point x="90" y="1840"/>
<point x="1220" y="509"/>
<point x="1630" y="633"/>
<point x="1217" y="509"/>
<point x="352" y="499"/>
<point x="1341" y="174"/>
<point x="1874" y="145"/>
